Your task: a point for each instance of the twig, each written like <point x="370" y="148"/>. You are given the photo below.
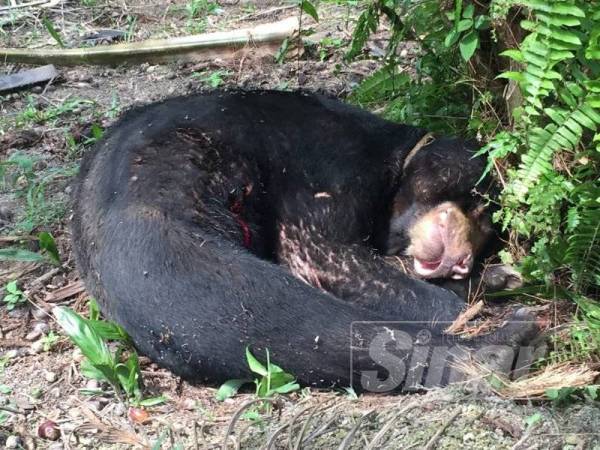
<point x="433" y="441"/>
<point x="373" y="444"/>
<point x="238" y="414"/>
<point x="12" y="410"/>
<point x="347" y="441"/>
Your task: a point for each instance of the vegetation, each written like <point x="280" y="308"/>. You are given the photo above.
<point x="271" y="380"/>
<point x="522" y="76"/>
<point x="92" y="337"/>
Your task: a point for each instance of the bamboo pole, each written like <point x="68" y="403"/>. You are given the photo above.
<point x="158" y="50"/>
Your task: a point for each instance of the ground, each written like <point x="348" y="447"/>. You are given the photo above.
<point x="43" y="132"/>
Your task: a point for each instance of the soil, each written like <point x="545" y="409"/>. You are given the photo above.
<point x="46" y="128"/>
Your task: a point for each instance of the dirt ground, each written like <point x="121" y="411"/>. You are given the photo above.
<point x="44" y="130"/>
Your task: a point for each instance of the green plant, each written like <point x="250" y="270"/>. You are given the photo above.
<point x="213" y="79"/>
<point x="47" y="246"/>
<point x="271" y="380"/>
<point x="466" y="29"/>
<point x="14" y="296"/>
<point x="91" y="336"/>
<point x="551" y="195"/>
<point x="49" y="341"/>
<point x="197" y="10"/>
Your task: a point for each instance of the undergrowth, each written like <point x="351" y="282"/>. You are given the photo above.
<point x="523" y="77"/>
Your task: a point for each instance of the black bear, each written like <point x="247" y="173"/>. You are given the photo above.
<point x="209" y="223"/>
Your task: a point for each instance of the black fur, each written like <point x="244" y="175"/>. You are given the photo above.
<point x="161" y="245"/>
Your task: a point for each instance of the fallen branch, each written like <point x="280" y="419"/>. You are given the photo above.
<point x="185" y="48"/>
<point x="39" y="3"/>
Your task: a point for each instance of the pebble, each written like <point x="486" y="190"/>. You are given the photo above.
<point x="92" y="384"/>
<point x="77" y="355"/>
<point x="119" y="409"/>
<point x="6" y="213"/>
<point x="13" y="441"/>
<point x="37" y="347"/>
<point x="468" y="437"/>
<point x="51" y="377"/>
<point x="56" y="446"/>
<point x="39" y="313"/>
<point x="68" y="190"/>
<point x="189" y="404"/>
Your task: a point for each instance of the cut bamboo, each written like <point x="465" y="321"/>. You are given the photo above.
<point x="185" y="48"/>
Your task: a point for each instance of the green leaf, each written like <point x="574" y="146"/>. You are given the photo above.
<point x="47" y="243"/>
<point x="89" y="342"/>
<point x="482" y="22"/>
<point x="464" y="25"/>
<point x="514" y="54"/>
<point x="4" y="389"/>
<point x="153" y="401"/>
<point x="309" y="9"/>
<point x="533" y="419"/>
<point x="109" y="330"/>
<point x="468" y="45"/>
<point x="19" y="254"/>
<point x="50" y="28"/>
<point x="255" y="366"/>
<point x="94" y="309"/>
<point x="469" y="11"/>
<point x="12" y="287"/>
<point x="451" y="38"/>
<point x="287" y="388"/>
<point x="230" y="388"/>
<point x="89" y="371"/>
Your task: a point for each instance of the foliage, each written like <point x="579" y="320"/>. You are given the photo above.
<point x="435" y="97"/>
<point x="92" y="337"/>
<point x="47" y="246"/>
<point x="271" y="380"/>
<point x="547" y="153"/>
<point x="14" y="295"/>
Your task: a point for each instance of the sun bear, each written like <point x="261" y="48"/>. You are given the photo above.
<point x="208" y="223"/>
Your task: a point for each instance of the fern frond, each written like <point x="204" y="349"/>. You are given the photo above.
<point x="564" y="134"/>
<point x="583" y="252"/>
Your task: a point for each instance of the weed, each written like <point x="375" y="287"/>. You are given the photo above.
<point x="272" y="380"/>
<point x="213" y="79"/>
<point x="52" y="31"/>
<point x="14" y="296"/>
<point x="327" y="45"/>
<point x="92" y="336"/>
<point x="49" y="341"/>
<point x="197" y="10"/>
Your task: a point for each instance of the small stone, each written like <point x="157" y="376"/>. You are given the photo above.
<point x="119" y="409"/>
<point x="68" y="190"/>
<point x="467" y="437"/>
<point x="55" y="392"/>
<point x="95" y="405"/>
<point x="189" y="404"/>
<point x="51" y="377"/>
<point x="151" y="69"/>
<point x="77" y="355"/>
<point x="39" y="313"/>
<point x="33" y="335"/>
<point x="92" y="384"/>
<point x="37" y="347"/>
<point x="13" y="441"/>
<point x="36" y="89"/>
<point x="170" y="76"/>
<point x="56" y="446"/>
<point x="11" y="354"/>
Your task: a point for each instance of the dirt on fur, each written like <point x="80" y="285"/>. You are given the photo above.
<point x="43" y="132"/>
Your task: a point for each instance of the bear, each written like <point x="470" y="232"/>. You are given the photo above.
<point x="214" y="222"/>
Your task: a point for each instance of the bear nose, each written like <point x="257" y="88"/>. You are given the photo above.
<point x="462" y="267"/>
